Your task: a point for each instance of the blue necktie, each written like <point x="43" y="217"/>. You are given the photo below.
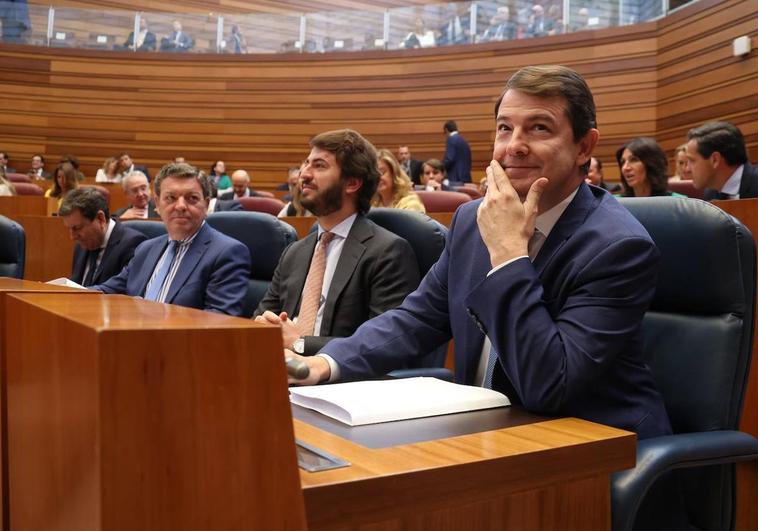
<point x="160" y="277"/>
<point x="490" y="371"/>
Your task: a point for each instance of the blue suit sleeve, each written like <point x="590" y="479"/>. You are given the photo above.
<point x="227" y="285"/>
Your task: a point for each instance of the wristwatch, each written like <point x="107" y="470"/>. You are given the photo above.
<point x="298" y="346"/>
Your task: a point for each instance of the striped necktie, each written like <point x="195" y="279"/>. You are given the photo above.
<point x="313" y="287"/>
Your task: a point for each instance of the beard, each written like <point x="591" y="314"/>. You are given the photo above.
<point x="325" y="201"/>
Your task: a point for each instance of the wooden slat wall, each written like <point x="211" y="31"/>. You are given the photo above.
<point x="257" y="112"/>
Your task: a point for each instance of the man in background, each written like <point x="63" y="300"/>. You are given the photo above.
<point x="137" y="191"/>
<point x="103" y="246"/>
<point x="411" y="166"/>
<point x="38" y="168"/>
<point x="457" y="158"/>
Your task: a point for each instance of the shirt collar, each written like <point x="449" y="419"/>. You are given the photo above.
<point x="108" y="232"/>
<point x="191" y="237"/>
<point x="341" y="229"/>
<point x="547" y="220"/>
<point x="732" y="184"/>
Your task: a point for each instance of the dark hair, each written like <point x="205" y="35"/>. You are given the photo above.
<point x="182" y="170"/>
<point x="723" y="137"/>
<point x="69" y="177"/>
<point x="450" y="126"/>
<point x="88" y="200"/>
<point x="436" y="164"/>
<point x="71" y="159"/>
<point x="212" y="171"/>
<point x="552" y="80"/>
<point x="5" y="154"/>
<point x="41" y="158"/>
<point x="356" y="157"/>
<point x="655" y="161"/>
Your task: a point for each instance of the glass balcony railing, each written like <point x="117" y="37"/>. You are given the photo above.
<point x="423" y="26"/>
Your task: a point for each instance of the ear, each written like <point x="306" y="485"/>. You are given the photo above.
<point x="586" y="146"/>
<point x="715" y="159"/>
<point x="352" y="185"/>
<point x="157" y="200"/>
<point x="100" y="217"/>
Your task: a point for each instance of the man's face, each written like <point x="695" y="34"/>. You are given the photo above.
<point x="3" y="159"/>
<point x="239" y="184"/>
<point x="594" y="175"/>
<point x="534" y="139"/>
<point x="88" y="234"/>
<point x="182" y="206"/>
<point x="703" y="171"/>
<point x="403" y="154"/>
<point x="322" y="188"/>
<point x="138" y="191"/>
<point x="36" y="163"/>
<point x="125" y="162"/>
<point x="177" y="25"/>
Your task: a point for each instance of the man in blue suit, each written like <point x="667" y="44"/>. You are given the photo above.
<point x="457" y="158"/>
<point x="195" y="265"/>
<point x="543" y="283"/>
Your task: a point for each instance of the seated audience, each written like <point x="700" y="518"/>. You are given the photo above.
<point x="293" y="207"/>
<point x="194" y="265"/>
<point x="434" y="176"/>
<point x="644" y="168"/>
<point x="293" y="180"/>
<point x="683" y="171"/>
<point x="109" y="173"/>
<point x="219" y="177"/>
<point x="145" y="42"/>
<point x="595" y="177"/>
<point x="718" y="160"/>
<point x="240" y="186"/>
<point x="126" y="166"/>
<point x="237" y="41"/>
<point x="539" y="24"/>
<point x="220" y="205"/>
<point x="420" y="37"/>
<point x="64" y="180"/>
<point x="348" y="271"/>
<point x="411" y="166"/>
<point x="137" y="191"/>
<point x="4" y="160"/>
<point x="38" y="168"/>
<point x="501" y="27"/>
<point x="177" y="41"/>
<point x="103" y="246"/>
<point x="395" y="189"/>
<point x="74" y="161"/>
<point x="6" y="187"/>
<point x="455" y="30"/>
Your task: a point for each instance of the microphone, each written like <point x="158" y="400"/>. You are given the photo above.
<point x="297" y="369"/>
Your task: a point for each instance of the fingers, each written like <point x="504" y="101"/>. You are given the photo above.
<point x="283" y="316"/>
<point x="270" y="317"/>
<point x="497" y="178"/>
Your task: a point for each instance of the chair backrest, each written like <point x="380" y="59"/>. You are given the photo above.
<point x="427" y="239"/>
<point x="18" y="178"/>
<point x="686" y="188"/>
<point x="103" y="191"/>
<point x="28" y="189"/>
<point x="698" y="332"/>
<point x="269" y="205"/>
<point x="266" y="237"/>
<point x="440" y="201"/>
<point x="150" y="228"/>
<point x="12" y="248"/>
<point x="473" y="193"/>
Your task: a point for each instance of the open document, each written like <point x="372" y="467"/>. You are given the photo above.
<point x="358" y="403"/>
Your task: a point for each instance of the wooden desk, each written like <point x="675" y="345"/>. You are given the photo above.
<point x="8" y="286"/>
<point x="49" y="249"/>
<point x="126" y="414"/>
<point x="548" y="475"/>
<point x="27" y="205"/>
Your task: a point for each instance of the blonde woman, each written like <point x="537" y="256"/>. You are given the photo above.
<point x="395" y="188"/>
<point x="6" y="187"/>
<point x="64" y="180"/>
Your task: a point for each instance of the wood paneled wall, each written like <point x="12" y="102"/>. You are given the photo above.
<point x="257" y="112"/>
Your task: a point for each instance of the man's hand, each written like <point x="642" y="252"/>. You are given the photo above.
<point x="134" y="213"/>
<point x="289" y="331"/>
<point x="319" y="367"/>
<point x="505" y="223"/>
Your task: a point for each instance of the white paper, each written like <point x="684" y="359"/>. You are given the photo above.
<point x="370" y="402"/>
<point x="63" y="281"/>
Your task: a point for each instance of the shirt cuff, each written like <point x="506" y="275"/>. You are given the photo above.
<point x="333" y="367"/>
<point x="501" y="266"/>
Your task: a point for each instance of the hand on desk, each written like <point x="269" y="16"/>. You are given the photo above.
<point x="319" y="368"/>
<point x="289" y="331"/>
<point x="134" y="213"/>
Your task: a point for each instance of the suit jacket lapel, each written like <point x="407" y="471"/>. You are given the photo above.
<point x="567" y="224"/>
<point x="80" y="262"/>
<point x="189" y="262"/>
<point x="352" y="251"/>
<point x="296" y="278"/>
<point x="109" y="256"/>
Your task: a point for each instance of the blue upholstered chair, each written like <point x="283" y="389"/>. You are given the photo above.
<point x="427" y="238"/>
<point x="151" y="229"/>
<point x="266" y="237"/>
<point x="12" y="248"/>
<point x="697" y="336"/>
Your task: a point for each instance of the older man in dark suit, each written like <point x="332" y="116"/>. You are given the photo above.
<point x="348" y="271"/>
<point x="103" y="246"/>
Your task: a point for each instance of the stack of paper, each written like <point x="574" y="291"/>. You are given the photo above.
<point x="357" y="403"/>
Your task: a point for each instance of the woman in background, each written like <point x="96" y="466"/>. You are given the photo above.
<point x="109" y="173"/>
<point x="395" y="189"/>
<point x="683" y="170"/>
<point x="6" y="187"/>
<point x="64" y="180"/>
<point x="433" y="175"/>
<point x="643" y="166"/>
<point x="219" y="177"/>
